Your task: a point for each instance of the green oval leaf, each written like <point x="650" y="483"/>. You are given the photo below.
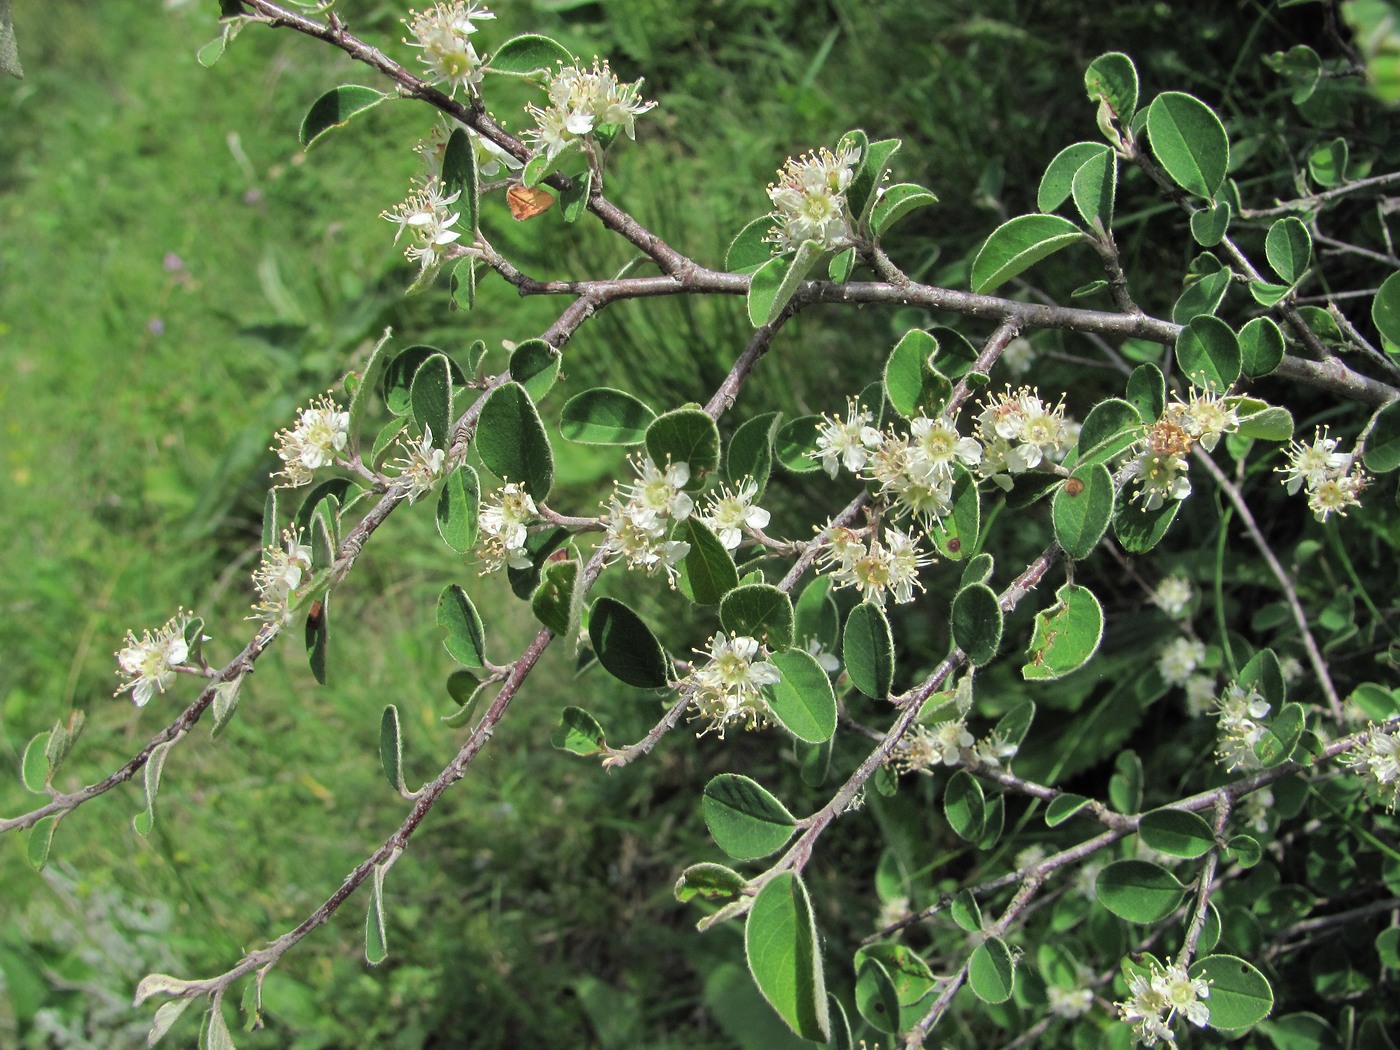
<point x="1209" y="225"/>
<point x="1138" y="891"/>
<point x="534" y="364"/>
<point x="1176" y="833"/>
<point x="579" y="733"/>
<point x="708" y="572"/>
<point x="391" y="747"/>
<point x="1094" y="187"/>
<point x="1261" y="347"/>
<point x="966" y="912"/>
<point x="773" y="284"/>
<point x="1189" y="142"/>
<point x="1111" y="427"/>
<point x="815" y="615"/>
<point x="896" y="202"/>
<point x="965" y="806"/>
<point x="1385" y="312"/>
<point x="867" y="650"/>
<point x="529" y="53"/>
<point x="626" y="647"/>
<point x="991" y="972"/>
<point x="34" y="766"/>
<point x="553" y="600"/>
<point x="893" y="986"/>
<point x="1082" y="509"/>
<point x="1147" y="393"/>
<point x="750" y="248"/>
<point x="459" y="175"/>
<point x="1113" y="78"/>
<point x="759" y="610"/>
<point x="335" y="108"/>
<point x="1209" y="353"/>
<point x="710" y="882"/>
<point x="573" y="200"/>
<point x="744" y="819"/>
<point x="1201" y="297"/>
<point x="512" y="442"/>
<point x="685" y="435"/>
<point x="376" y="942"/>
<point x="458" y="508"/>
<point x="795" y="442"/>
<point x="955" y="534"/>
<point x="466" y="637"/>
<point x="1057" y="183"/>
<point x="1018" y="245"/>
<point x="750" y="451"/>
<point x="40" y="841"/>
<point x="802" y="700"/>
<point x="399" y="373"/>
<point x="1239" y="994"/>
<point x="870" y="172"/>
<point x="1066" y="635"/>
<point x="976" y="622"/>
<point x="911" y="383"/>
<point x="1282" y="734"/>
<point x="1382" y="453"/>
<point x="1139" y="529"/>
<point x="1288" y="247"/>
<point x="784" y="956"/>
<point x="1062" y="807"/>
<point x="604" y="416"/>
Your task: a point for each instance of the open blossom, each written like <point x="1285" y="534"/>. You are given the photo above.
<point x="580" y="102"/>
<point x="419" y="467"/>
<point x="321" y="433"/>
<point x="731" y="512"/>
<point x="1333" y="478"/>
<point x="637" y="525"/>
<point x="809" y="200"/>
<point x="1173" y="595"/>
<point x="491" y="159"/>
<point x="924" y="747"/>
<point x="728" y="687"/>
<point x="426" y="214"/>
<point x="277" y="578"/>
<point x="878" y="569"/>
<point x="1069" y="1002"/>
<point x="1017" y="431"/>
<point x="443" y="33"/>
<point x="846" y="444"/>
<point x="1180" y="657"/>
<point x="1240" y="712"/>
<point x="505" y="526"/>
<point x="1378" y="761"/>
<point x="1205" y="417"/>
<point x="1158" y="997"/>
<point x="148" y="664"/>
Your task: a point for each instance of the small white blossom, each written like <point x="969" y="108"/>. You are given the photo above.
<point x="427" y="217"/>
<point x="1254" y="810"/>
<point x="491" y="159"/>
<point x="1069" y="1003"/>
<point x="1205" y="417"/>
<point x="277" y="578"/>
<point x="877" y="570"/>
<point x="1200" y="694"/>
<point x="993" y="749"/>
<point x="828" y="662"/>
<point x="443" y="32"/>
<point x="1156" y="999"/>
<point x="731" y="512"/>
<point x="1378" y="761"/>
<point x="580" y="102"/>
<point x="1239" y="711"/>
<point x="505" y="524"/>
<point x="321" y="432"/>
<point x="419" y="468"/>
<point x="1173" y="595"/>
<point x="1018" y="430"/>
<point x="149" y="663"/>
<point x="846" y="444"/>
<point x="1180" y="657"/>
<point x="809" y="200"/>
<point x="728" y="687"/>
<point x="1313" y="464"/>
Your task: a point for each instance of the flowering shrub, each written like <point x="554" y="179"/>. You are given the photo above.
<point x="1063" y="895"/>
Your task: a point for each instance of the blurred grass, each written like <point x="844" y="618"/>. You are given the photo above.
<point x="176" y="277"/>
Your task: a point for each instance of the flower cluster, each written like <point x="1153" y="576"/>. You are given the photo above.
<point x="731" y="511"/>
<point x="1069" y="1002"/>
<point x="1018" y="430"/>
<point x="1173" y="595"/>
<point x="491" y="159"/>
<point x="728" y="688"/>
<point x="322" y="431"/>
<point x="277" y="578"/>
<point x="419" y="467"/>
<point x="915" y="472"/>
<point x="638" y="517"/>
<point x="427" y="216"/>
<point x="580" y="102"/>
<point x="1378" y="761"/>
<point x="924" y="747"/>
<point x="847" y="444"/>
<point x="1157" y="997"/>
<point x="876" y="569"/>
<point x="809" y="200"/>
<point x="1205" y="417"/>
<point x="1180" y="658"/>
<point x="1334" y="479"/>
<point x="504" y="523"/>
<point x="149" y="664"/>
<point x="444" y="34"/>
<point x="1239" y="711"/>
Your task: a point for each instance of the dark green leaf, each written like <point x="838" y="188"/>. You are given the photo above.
<point x="796" y="439"/>
<point x="1138" y="891"/>
<point x="1019" y="244"/>
<point x="1209" y="225"/>
<point x="534" y="364"/>
<point x="802" y="700"/>
<point x="603" y="416"/>
<point x="1147" y="392"/>
<point x="317" y="637"/>
<point x="750" y="451"/>
<point x="579" y="733"/>
<point x="708" y="572"/>
<point x="1111" y="427"/>
<point x="626" y="647"/>
<point x="573" y="200"/>
<point x="399" y="373"/>
<point x="512" y="441"/>
<point x="1261" y="347"/>
<point x="430" y="397"/>
<point x="391" y="747"/>
<point x="1385" y="312"/>
<point x="1062" y="807"/>
<point x="1066" y="635"/>
<point x="893" y="986"/>
<point x="751" y="248"/>
<point x="1209" y="353"/>
<point x="991" y="972"/>
<point x="1176" y="833"/>
<point x="745" y="820"/>
<point x="759" y="610"/>
<point x="1189" y="142"/>
<point x="1239" y="994"/>
<point x="784" y="956"/>
<point x="896" y="202"/>
<point x="1112" y="78"/>
<point x="335" y="108"/>
<point x="466" y="637"/>
<point x="1095" y="185"/>
<point x="965" y="912"/>
<point x="867" y="650"/>
<point x="1139" y="529"/>
<point x="710" y="882"/>
<point x="976" y="622"/>
<point x="457" y="509"/>
<point x="459" y="175"/>
<point x="552" y="602"/>
<point x="529" y="53"/>
<point x="685" y="435"/>
<point x="1058" y="182"/>
<point x="1201" y="297"/>
<point x="965" y="806"/>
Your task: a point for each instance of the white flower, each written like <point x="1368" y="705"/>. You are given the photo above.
<point x="809" y="200"/>
<point x="1018" y="356"/>
<point x="731" y="512"/>
<point x="1154" y="1000"/>
<point x="491" y="159"/>
<point x="1239" y="712"/>
<point x="1205" y="417"/>
<point x="1180" y="657"/>
<point x="846" y="444"/>
<point x="1200" y="694"/>
<point x="277" y="578"/>
<point x="728" y="688"/>
<point x="1313" y="464"/>
<point x="149" y="664"/>
<point x="1335" y="495"/>
<point x="660" y="494"/>
<point x="1378" y="761"/>
<point x="1161" y="475"/>
<point x="1173" y="595"/>
<point x="884" y="568"/>
<point x="504" y="522"/>
<point x="427" y="217"/>
<point x="419" y="467"/>
<point x="1018" y="431"/>
<point x="828" y="662"/>
<point x="1069" y="1002"/>
<point x="442" y="33"/>
<point x="321" y="432"/>
<point x="580" y="102"/>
